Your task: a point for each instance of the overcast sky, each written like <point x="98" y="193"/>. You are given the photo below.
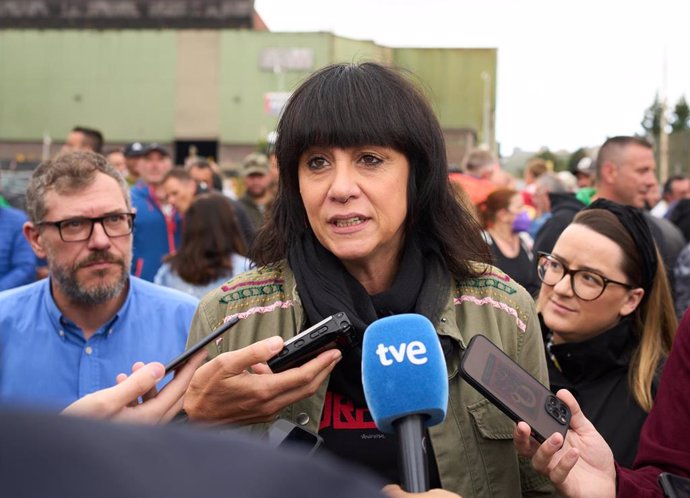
<point x="569" y="73"/>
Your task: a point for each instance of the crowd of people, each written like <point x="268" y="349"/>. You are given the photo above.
<point x="580" y="277"/>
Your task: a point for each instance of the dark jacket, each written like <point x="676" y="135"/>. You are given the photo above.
<point x="58" y="456"/>
<point x="596" y="372"/>
<point x="564" y="207"/>
<point x="669" y="239"/>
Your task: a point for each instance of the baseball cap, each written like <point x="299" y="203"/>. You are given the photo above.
<point x="255" y="163"/>
<point x="156" y="147"/>
<point x="585" y="166"/>
<point x="135" y="149"/>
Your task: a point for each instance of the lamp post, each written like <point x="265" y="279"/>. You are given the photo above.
<point x="486" y="109"/>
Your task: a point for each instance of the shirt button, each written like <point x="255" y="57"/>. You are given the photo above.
<point x="61" y="333"/>
<point x="302" y="419"/>
<point x="88" y="350"/>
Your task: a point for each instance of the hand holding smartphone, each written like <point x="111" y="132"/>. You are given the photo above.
<point x="336" y="331"/>
<point x="512" y="389"/>
<point x="184" y="357"/>
<point x="674" y="486"/>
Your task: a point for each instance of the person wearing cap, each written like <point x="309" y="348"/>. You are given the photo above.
<point x="133" y="153"/>
<point x="257" y="196"/>
<point x="584" y="172"/>
<point x="157" y="226"/>
<point x="609" y="325"/>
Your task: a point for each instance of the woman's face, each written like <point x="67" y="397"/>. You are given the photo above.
<point x="507" y="216"/>
<point x="356" y="201"/>
<point x="570" y="318"/>
<point x="515" y="207"/>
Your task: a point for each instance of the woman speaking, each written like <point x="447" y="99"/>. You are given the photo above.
<point x="366" y="222"/>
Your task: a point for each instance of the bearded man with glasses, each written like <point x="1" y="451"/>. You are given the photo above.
<point x="608" y="319"/>
<point x="74" y="332"/>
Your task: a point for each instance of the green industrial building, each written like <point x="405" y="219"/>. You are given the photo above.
<point x="218" y="89"/>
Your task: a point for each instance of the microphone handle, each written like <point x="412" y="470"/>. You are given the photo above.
<point x="412" y="457"/>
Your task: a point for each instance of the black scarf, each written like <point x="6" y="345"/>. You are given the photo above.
<point x="325" y="287"/>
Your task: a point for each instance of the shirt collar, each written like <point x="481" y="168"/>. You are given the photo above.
<point x="60" y="322"/>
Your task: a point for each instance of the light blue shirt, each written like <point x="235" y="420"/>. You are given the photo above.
<point x="45" y="361"/>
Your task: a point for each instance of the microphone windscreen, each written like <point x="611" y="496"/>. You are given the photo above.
<point x="404" y="371"/>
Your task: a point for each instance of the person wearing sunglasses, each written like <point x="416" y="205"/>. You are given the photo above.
<point x="608" y="319"/>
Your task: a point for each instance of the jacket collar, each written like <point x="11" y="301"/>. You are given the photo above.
<point x="590" y="359"/>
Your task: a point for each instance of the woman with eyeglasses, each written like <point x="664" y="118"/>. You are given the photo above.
<point x="608" y="319"/>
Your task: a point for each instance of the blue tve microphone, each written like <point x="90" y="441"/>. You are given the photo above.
<point x="406" y="388"/>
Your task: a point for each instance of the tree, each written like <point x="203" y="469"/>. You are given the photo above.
<point x="681" y="115"/>
<point x="559" y="163"/>
<point x="575" y="158"/>
<point x="652" y="119"/>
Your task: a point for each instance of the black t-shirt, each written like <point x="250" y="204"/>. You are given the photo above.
<point x="522" y="268"/>
<point x="350" y="433"/>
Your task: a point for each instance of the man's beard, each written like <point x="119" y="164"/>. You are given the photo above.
<point x="69" y="284"/>
<point x="257" y="193"/>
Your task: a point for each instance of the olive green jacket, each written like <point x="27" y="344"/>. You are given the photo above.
<point x="473" y="446"/>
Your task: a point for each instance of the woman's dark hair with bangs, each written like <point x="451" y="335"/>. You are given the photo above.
<point x="348" y="105"/>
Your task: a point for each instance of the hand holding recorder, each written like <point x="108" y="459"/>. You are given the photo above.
<point x="238" y="387"/>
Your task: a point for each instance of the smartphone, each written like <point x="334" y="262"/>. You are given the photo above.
<point x="184" y="357"/>
<point x="512" y="389"/>
<point x="674" y="486"/>
<point x="285" y="434"/>
<point x="336" y="331"/>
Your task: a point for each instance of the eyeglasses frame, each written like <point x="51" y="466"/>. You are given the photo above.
<point x="97" y="219"/>
<point x="572" y="273"/>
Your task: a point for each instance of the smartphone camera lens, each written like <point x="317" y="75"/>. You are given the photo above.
<point x="556" y="409"/>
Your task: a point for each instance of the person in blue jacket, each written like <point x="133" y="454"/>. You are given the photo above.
<point x="17" y="260"/>
<point x="157" y="227"/>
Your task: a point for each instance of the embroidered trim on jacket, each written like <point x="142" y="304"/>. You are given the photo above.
<point x="496" y="304"/>
<point x="260" y="310"/>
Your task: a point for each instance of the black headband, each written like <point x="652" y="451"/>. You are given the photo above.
<point x="633" y="221"/>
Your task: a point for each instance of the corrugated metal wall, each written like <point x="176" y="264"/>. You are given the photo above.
<point x="165" y="85"/>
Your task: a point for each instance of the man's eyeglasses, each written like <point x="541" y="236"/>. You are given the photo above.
<point x="80" y="229"/>
<point x="586" y="284"/>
